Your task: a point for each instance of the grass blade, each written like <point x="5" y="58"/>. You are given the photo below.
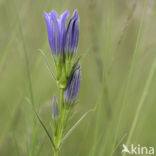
<point x="47" y="63"/>
<point x="76" y="124"/>
<point x="29" y="76"/>
<point x="122" y="138"/>
<point x="42" y="124"/>
<point x="142" y="100"/>
<point x="45" y="129"/>
<point x="25" y="54"/>
<point x="130" y="74"/>
<point x="98" y="107"/>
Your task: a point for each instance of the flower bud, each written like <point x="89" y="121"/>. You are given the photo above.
<point x="72" y="89"/>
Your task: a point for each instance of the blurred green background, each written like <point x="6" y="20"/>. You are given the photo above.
<point x="118" y="39"/>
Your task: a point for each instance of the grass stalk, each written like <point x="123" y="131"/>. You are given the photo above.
<point x="28" y="71"/>
<point x="142" y="100"/>
<point x="103" y="83"/>
<point x="98" y="105"/>
<point x="129" y="77"/>
<point x="25" y="54"/>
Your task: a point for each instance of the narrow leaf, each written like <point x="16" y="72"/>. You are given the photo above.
<point x="76" y="124"/>
<point x="50" y="138"/>
<point x="47" y="63"/>
<point x="42" y="124"/>
<point x="122" y="138"/>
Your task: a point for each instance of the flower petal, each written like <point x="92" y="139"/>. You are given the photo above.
<point x="72" y="34"/>
<point x="51" y="19"/>
<point x="61" y="25"/>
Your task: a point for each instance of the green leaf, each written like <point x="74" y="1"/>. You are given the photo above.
<point x="42" y="124"/>
<point x="76" y="124"/>
<point x="45" y="129"/>
<point x="47" y="63"/>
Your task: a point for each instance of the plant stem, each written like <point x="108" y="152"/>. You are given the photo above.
<point x="61" y="99"/>
<point x="60" y="122"/>
<point x="55" y="152"/>
<point x="62" y="115"/>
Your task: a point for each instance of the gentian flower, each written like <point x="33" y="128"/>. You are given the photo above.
<point x="62" y="39"/>
<point x="72" y="34"/>
<point x="73" y="86"/>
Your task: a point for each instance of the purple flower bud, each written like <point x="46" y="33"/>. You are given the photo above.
<point x="62" y="39"/>
<point x="55" y="112"/>
<point x="73" y="86"/>
<point x="72" y="34"/>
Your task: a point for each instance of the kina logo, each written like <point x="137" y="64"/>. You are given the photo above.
<point x="137" y="150"/>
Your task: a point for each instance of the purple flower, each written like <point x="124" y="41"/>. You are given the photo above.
<point x="72" y="34"/>
<point x="55" y="112"/>
<point x="73" y="86"/>
<point x="62" y="38"/>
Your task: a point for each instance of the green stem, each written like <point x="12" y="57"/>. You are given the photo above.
<point x="56" y="153"/>
<point x="61" y="99"/>
<point x="62" y="125"/>
<point x="60" y="121"/>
